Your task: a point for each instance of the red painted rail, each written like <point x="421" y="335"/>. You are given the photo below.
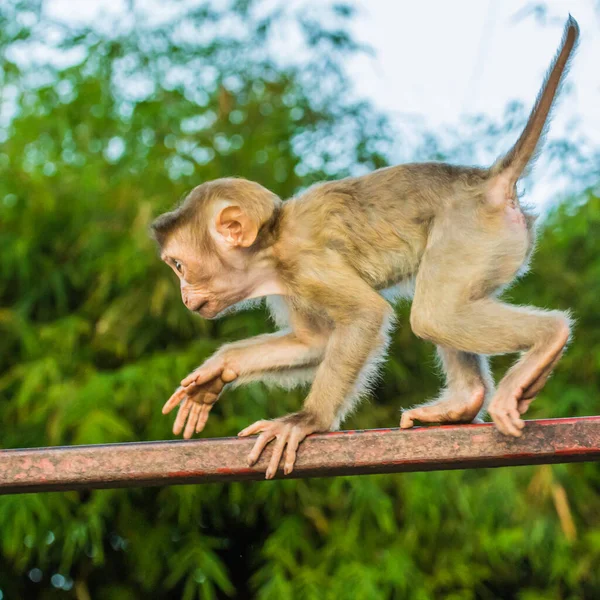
<point x="340" y="453"/>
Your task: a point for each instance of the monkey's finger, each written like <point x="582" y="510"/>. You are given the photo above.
<point x="262" y="440"/>
<point x="278" y="448"/>
<point x="191" y="378"/>
<point x="184" y="410"/>
<point x="291" y="449"/>
<point x="229" y="375"/>
<point x="254" y="428"/>
<point x="190" y="426"/>
<point x="178" y="395"/>
<point x="203" y="417"/>
<point x="203" y="374"/>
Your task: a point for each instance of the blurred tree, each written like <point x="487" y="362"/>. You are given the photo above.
<point x="104" y="128"/>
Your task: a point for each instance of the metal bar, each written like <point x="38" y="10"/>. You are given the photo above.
<point x="323" y="455"/>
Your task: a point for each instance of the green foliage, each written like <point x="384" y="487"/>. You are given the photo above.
<point x="93" y="335"/>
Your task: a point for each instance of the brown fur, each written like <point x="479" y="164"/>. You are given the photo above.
<point x="452" y="237"/>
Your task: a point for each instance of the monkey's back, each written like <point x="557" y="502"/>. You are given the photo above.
<point x="379" y="222"/>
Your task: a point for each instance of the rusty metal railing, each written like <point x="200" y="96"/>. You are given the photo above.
<point x="323" y="455"/>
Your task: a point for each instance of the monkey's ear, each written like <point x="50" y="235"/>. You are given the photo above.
<point x="236" y="227"/>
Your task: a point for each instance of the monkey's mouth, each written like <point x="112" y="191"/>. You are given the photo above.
<point x="200" y="306"/>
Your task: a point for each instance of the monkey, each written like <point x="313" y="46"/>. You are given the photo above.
<point x="332" y="260"/>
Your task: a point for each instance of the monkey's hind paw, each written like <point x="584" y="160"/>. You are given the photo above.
<point x="450" y="408"/>
<point x="505" y="412"/>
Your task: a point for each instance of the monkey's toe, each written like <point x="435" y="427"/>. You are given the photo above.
<point x="406" y="421"/>
<point x="506" y="415"/>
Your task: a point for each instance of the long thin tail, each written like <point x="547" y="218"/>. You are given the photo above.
<point x="513" y="164"/>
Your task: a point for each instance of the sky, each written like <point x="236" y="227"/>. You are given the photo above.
<point x="435" y="61"/>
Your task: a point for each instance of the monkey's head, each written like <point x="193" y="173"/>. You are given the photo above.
<point x="218" y="241"/>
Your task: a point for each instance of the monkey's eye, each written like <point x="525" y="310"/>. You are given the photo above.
<point x="177" y="265"/>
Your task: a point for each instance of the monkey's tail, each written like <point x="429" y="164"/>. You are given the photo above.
<point x="513" y="164"/>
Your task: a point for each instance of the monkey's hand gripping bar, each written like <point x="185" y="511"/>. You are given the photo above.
<point x="322" y="455"/>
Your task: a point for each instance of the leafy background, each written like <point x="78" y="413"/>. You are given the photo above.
<point x="93" y="335"/>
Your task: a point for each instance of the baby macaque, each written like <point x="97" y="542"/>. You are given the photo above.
<point x="452" y="237"/>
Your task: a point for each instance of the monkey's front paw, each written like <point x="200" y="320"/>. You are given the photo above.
<point x="195" y="402"/>
<point x="288" y="432"/>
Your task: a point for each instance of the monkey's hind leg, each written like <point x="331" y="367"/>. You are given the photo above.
<point x="469" y="385"/>
<point x="487" y="326"/>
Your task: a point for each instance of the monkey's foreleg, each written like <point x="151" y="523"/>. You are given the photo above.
<point x="359" y="332"/>
<point x="468" y="384"/>
<point x="270" y="356"/>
